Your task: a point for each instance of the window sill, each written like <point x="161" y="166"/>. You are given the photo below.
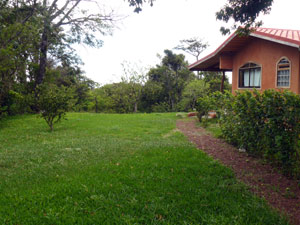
<point x="283" y="87"/>
<point x="249" y="88"/>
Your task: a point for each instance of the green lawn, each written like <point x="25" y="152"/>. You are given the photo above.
<point x="213" y="128"/>
<point x="116" y="169"/>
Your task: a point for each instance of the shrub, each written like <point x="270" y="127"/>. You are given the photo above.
<point x="266" y="124"/>
<point x="203" y="106"/>
<point x="54" y="102"/>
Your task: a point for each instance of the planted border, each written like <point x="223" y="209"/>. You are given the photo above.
<point x="265" y="124"/>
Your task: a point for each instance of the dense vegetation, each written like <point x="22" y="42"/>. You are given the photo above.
<point x="116" y="169"/>
<point x="265" y="124"/>
<point x="36" y="52"/>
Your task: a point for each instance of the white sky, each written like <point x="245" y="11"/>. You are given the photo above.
<point x="140" y="37"/>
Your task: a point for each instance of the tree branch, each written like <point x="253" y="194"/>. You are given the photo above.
<point x="67" y="14"/>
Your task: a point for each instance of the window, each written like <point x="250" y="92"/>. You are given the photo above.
<point x="283" y="73"/>
<point x="250" y="76"/>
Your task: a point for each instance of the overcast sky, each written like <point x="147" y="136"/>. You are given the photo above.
<point x="140" y="37"/>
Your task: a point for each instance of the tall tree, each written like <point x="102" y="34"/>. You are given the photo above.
<point x="80" y="27"/>
<point x="38" y="34"/>
<point x="193" y="46"/>
<point x="18" y="39"/>
<point x="64" y="22"/>
<point x="172" y="74"/>
<point x="135" y="77"/>
<point x="244" y="14"/>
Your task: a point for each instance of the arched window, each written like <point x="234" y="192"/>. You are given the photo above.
<point x="250" y="76"/>
<point x="283" y="73"/>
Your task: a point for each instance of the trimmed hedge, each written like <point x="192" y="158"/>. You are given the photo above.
<point x="265" y="124"/>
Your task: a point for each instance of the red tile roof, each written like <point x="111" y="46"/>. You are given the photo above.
<point x="291" y="37"/>
<point x="282" y="36"/>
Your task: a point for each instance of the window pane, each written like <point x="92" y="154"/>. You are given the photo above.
<point x="252" y="77"/>
<point x="246" y="78"/>
<point x="283" y="78"/>
<point x="283" y="73"/>
<point x="257" y="77"/>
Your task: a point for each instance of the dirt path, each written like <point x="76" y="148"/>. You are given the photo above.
<point x="281" y="192"/>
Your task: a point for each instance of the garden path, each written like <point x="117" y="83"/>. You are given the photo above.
<point x="264" y="180"/>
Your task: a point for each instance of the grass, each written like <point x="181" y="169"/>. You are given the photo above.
<point x="212" y="126"/>
<point x="116" y="169"/>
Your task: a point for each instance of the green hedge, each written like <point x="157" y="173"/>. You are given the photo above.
<point x="265" y="124"/>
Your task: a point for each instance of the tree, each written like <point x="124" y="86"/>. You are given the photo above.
<point x="18" y="39"/>
<point x="244" y="14"/>
<point x="215" y="81"/>
<point x="135" y="77"/>
<point x="152" y="94"/>
<point x="81" y="24"/>
<point x="192" y="91"/>
<point x="172" y="74"/>
<point x="193" y="46"/>
<point x="54" y="102"/>
<point x="102" y="101"/>
<point x="36" y="37"/>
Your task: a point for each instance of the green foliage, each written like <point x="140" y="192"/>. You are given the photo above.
<point x="54" y="102"/>
<point x="243" y="12"/>
<point x="117" y="169"/>
<point x="265" y="124"/>
<point x="161" y="90"/>
<point x="191" y="92"/>
<point x="161" y="107"/>
<point x="18" y="41"/>
<point x="152" y="94"/>
<point x="172" y="75"/>
<point x="203" y="106"/>
<point x="122" y="97"/>
<point x="16" y="103"/>
<point x="134" y="77"/>
<point x="36" y="36"/>
<point x="214" y="80"/>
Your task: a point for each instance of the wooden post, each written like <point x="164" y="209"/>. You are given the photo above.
<point x="222" y="83"/>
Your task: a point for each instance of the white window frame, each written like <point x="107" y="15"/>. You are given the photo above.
<point x="249" y="66"/>
<point x="282" y="69"/>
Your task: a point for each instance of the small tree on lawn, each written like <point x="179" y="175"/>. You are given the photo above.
<point x="54" y="102"/>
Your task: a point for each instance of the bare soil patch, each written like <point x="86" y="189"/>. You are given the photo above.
<point x="264" y="180"/>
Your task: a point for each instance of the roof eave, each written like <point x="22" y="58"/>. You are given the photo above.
<point x="213" y="54"/>
<point x="275" y="40"/>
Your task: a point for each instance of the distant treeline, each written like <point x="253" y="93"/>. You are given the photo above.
<point x="36" y="55"/>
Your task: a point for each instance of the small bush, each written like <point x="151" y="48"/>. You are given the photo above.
<point x="203" y="106"/>
<point x="54" y="102"/>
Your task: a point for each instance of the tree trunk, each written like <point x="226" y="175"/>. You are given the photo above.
<point x="135" y="107"/>
<point x="96" y="105"/>
<point x="222" y="83"/>
<point x="43" y="55"/>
